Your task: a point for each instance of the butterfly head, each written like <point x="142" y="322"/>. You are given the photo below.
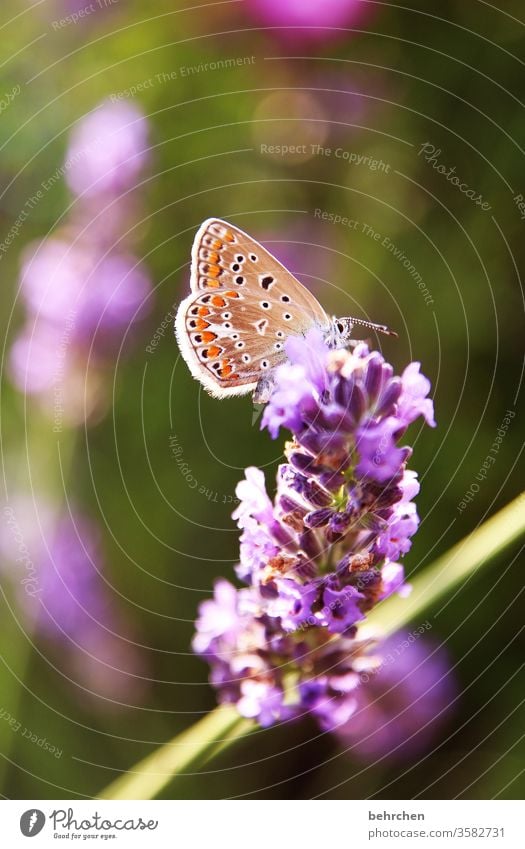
<point x="340" y="332"/>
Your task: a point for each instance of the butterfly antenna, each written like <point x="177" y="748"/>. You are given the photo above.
<point x="381" y="328"/>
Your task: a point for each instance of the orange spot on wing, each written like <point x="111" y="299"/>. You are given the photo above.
<point x="208" y="336"/>
<point x="226" y="370"/>
<point x="217" y="301"/>
<point x="213" y="351"/>
<point x="229" y="236"/>
<point x="213" y="270"/>
<point x="200" y="324"/>
<point x="232" y="295"/>
<point x="217" y="244"/>
<point x="203" y="311"/>
<point x="214" y="284"/>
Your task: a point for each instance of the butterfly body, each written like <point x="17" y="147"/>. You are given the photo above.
<point x="243" y="305"/>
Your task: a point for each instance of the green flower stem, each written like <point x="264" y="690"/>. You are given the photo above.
<point x="240" y="729"/>
<point x="192" y="748"/>
<point x="221" y="727"/>
<point x="16" y="652"/>
<point x="50" y="459"/>
<point x="458" y="564"/>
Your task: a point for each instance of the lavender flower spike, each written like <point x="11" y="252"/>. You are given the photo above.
<point x="327" y="549"/>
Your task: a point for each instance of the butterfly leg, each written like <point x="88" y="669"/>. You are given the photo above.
<point x="264" y="388"/>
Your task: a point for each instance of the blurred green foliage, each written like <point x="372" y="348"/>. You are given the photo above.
<point x="449" y="76"/>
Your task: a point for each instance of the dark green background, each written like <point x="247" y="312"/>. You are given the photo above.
<point x="451" y="75"/>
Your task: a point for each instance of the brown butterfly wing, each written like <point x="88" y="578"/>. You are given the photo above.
<point x="226" y="340"/>
<point x="224" y="256"/>
<point x="232" y="328"/>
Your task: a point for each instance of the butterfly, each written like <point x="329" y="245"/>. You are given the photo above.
<point x="243" y="305"/>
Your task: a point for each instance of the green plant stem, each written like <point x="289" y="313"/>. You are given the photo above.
<point x="40" y="463"/>
<point x="16" y="652"/>
<point x="221" y="727"/>
<point x="193" y="747"/>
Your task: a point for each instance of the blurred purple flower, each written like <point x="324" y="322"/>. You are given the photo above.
<point x="82" y="287"/>
<point x="56" y="563"/>
<point x="325" y="551"/>
<point x="65" y="282"/>
<point x="69" y="6"/>
<point x="309" y="20"/>
<point x="401" y="707"/>
<point x="70" y="592"/>
<point x="34" y="358"/>
<point x="108" y="667"/>
<point x="108" y="150"/>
